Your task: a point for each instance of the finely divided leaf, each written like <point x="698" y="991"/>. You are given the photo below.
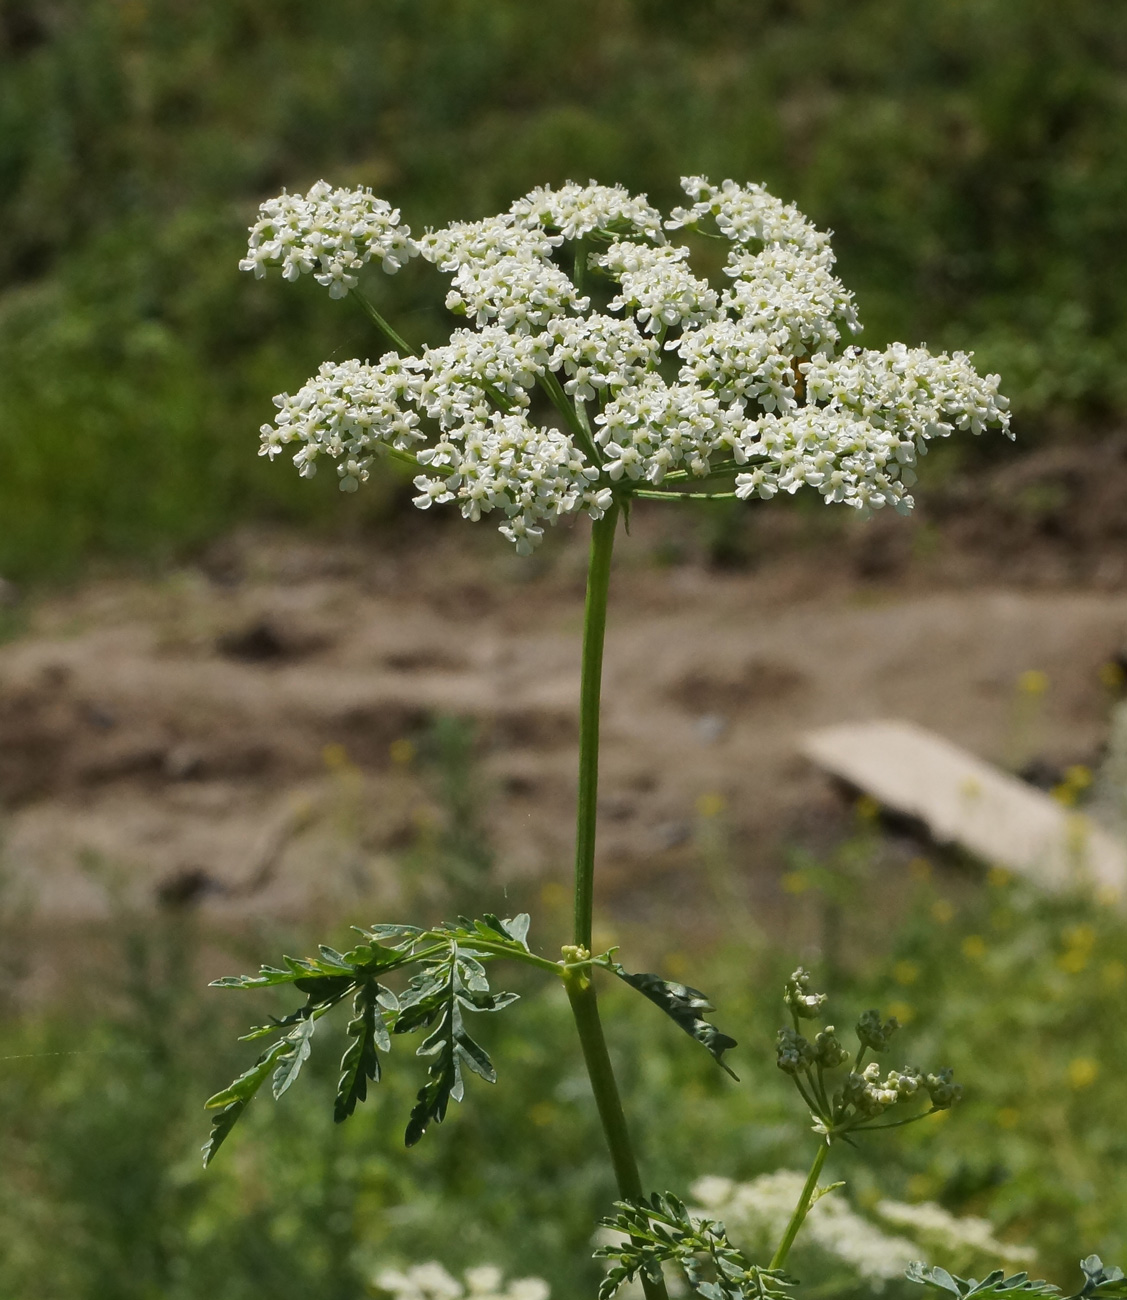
<point x="291" y="1061"/>
<point x="331" y="968"/>
<point x="517" y="928"/>
<point x="444" y="1080"/>
<point x="450" y="979"/>
<point x="221" y="1126"/>
<point x="1107" y="1283"/>
<point x="361" y="1061"/>
<point x="660" y="1230"/>
<point x="686" y="1007"/>
<point x="436" y="1000"/>
<point x="995" y="1286"/>
<point x="233" y="1100"/>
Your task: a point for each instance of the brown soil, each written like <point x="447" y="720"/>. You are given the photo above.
<point x="227" y="735"/>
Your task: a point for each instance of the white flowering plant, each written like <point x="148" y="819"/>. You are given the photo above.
<point x="595" y="366"/>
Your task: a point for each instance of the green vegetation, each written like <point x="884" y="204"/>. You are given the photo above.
<point x="971" y="157"/>
<point x="103" y="1194"/>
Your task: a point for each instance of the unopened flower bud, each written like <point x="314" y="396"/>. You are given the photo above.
<point x="793" y="1052"/>
<point x="942" y="1090"/>
<point x="872" y="1034"/>
<point x="828" y="1050"/>
<point x="798" y="997"/>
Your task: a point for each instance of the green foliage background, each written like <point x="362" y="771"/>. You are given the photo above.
<point x="970" y="154"/>
<point x="103" y="1195"/>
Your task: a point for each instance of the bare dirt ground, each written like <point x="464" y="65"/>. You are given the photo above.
<point x="233" y="732"/>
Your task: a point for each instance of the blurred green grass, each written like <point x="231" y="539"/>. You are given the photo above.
<point x="971" y="157"/>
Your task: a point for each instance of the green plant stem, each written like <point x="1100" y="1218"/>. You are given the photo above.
<point x="570" y="412"/>
<point x="801" y="1209"/>
<point x="590" y="691"/>
<point x="580" y="991"/>
<point x="585" y="1008"/>
<point x="385" y="327"/>
<point x="655" y="495"/>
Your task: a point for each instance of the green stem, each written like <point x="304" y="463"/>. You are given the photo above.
<point x="384" y="326"/>
<point x="655" y="495"/>
<point x="500" y="949"/>
<point x="590" y="690"/>
<point x="580" y="991"/>
<point x="551" y="385"/>
<point x="801" y="1209"/>
<point x="585" y="1008"/>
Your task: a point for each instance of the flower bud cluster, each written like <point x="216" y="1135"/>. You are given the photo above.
<point x="869" y="1095"/>
<point x="795" y="1053"/>
<point x="798" y="998"/>
<point x="871" y="1033"/>
<point x="672" y="376"/>
<point x="866" y="1092"/>
<point x="329" y="233"/>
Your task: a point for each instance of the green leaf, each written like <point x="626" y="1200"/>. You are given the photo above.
<point x="659" y="1230"/>
<point x="331" y="968"/>
<point x="487" y="1001"/>
<point x="995" y="1286"/>
<point x="516" y="928"/>
<point x="475" y="1057"/>
<point x="361" y="1061"/>
<point x="436" y="999"/>
<point x="686" y="1007"/>
<point x="233" y="1100"/>
<point x="824" y="1191"/>
<point x="297" y="1053"/>
<point x="444" y="1080"/>
<point x="1108" y="1283"/>
<point x="248" y="1083"/>
<point x="403" y="935"/>
<point x="450" y="979"/>
<point x="221" y="1126"/>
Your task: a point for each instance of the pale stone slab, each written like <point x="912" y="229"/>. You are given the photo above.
<point x="965" y="801"/>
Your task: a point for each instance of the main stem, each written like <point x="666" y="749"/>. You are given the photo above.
<point x="590" y="689"/>
<point x="580" y="990"/>
<point x="801" y="1209"/>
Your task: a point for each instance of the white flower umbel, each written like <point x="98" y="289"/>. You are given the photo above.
<point x="756" y="1214"/>
<point x="351" y="411"/>
<point x="952" y="1237"/>
<point x="432" y="1282"/>
<point x="597" y="364"/>
<point x="329" y="233"/>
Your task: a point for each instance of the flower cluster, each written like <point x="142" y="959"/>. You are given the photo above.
<point x="960" y="1240"/>
<point x="865" y="1094"/>
<point x="432" y="1282"/>
<point x="331" y="233"/>
<point x="756" y="1215"/>
<point x="596" y="363"/>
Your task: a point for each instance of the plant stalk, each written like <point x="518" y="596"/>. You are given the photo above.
<point x="580" y="990"/>
<point x="590" y="691"/>
<point x="801" y="1209"/>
